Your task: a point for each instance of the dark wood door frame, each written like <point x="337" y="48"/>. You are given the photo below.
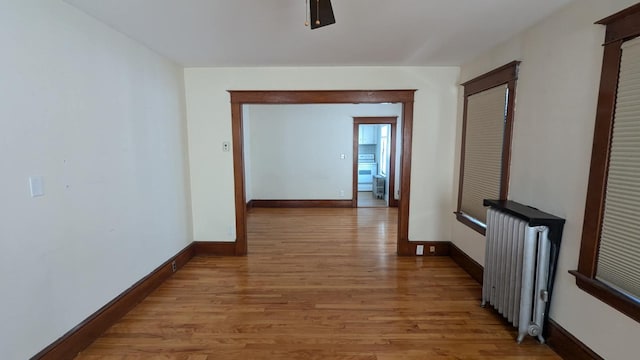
<point x="240" y="98"/>
<point x="376" y="120"/>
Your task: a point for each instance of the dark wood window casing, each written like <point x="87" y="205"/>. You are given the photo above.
<point x="620" y="27"/>
<point x="504" y="75"/>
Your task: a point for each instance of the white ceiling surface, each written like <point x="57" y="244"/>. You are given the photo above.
<point x="272" y="32"/>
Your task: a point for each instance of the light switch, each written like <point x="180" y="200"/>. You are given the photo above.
<point x="343" y="156"/>
<point x="226" y="146"/>
<point x="36" y="185"/>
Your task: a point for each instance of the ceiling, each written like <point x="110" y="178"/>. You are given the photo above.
<point x="272" y="32"/>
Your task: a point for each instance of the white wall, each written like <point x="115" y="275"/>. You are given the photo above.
<point x="101" y="119"/>
<point x="553" y="130"/>
<point x="209" y="119"/>
<point x="295" y="149"/>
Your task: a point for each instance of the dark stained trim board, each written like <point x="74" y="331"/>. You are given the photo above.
<point x="216" y="248"/>
<point x="475" y="270"/>
<point x="566" y="345"/>
<point x="300" y="203"/>
<point x="81" y="336"/>
<point x="441" y="248"/>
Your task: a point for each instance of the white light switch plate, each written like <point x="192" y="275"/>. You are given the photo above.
<point x="36" y="186"/>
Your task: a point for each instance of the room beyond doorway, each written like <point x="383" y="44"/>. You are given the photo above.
<point x="374" y="165"/>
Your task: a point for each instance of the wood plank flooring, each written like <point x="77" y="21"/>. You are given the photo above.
<point x="317" y="284"/>
<point x="366" y="199"/>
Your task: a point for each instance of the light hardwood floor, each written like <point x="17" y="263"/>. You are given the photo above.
<point x="317" y="284"/>
<point x="366" y="199"/>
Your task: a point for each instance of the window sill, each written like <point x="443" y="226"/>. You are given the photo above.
<point x="465" y="219"/>
<point x="608" y="295"/>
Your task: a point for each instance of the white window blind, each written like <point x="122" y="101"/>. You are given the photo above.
<point x="619" y="255"/>
<point x="484" y="137"/>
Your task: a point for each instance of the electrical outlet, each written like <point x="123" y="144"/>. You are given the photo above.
<point x="226" y="146"/>
<point x="432" y="249"/>
<point x="174" y="267"/>
<point x="341" y="193"/>
<point x="419" y="249"/>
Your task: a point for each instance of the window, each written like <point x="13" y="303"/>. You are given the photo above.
<point x="486" y="143"/>
<point x="609" y="265"/>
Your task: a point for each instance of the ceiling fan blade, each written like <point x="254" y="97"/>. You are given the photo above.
<point x="321" y="13"/>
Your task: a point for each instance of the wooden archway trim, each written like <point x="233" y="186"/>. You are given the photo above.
<point x="240" y="98"/>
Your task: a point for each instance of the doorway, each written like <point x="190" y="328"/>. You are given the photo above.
<point x="240" y="98"/>
<point x="374" y="166"/>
